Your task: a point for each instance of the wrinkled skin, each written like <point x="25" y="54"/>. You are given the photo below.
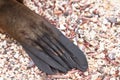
<point x="50" y="50"/>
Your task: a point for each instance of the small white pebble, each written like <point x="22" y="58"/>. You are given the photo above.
<point x="1" y="78"/>
<point x="101" y="46"/>
<point x="86" y="73"/>
<point x="31" y="63"/>
<point x="101" y="62"/>
<point x="111" y="56"/>
<point x="102" y="55"/>
<point x="2" y="63"/>
<point x="112" y="70"/>
<point x="104" y="28"/>
<point x="2" y="36"/>
<point x="92" y="34"/>
<point x="16" y="55"/>
<point x="62" y="27"/>
<point x="113" y="78"/>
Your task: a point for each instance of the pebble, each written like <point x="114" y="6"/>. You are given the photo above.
<point x="111" y="56"/>
<point x="16" y="55"/>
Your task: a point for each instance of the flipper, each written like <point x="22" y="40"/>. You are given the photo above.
<point x="55" y="50"/>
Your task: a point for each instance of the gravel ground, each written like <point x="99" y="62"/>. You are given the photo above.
<point x="93" y="25"/>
